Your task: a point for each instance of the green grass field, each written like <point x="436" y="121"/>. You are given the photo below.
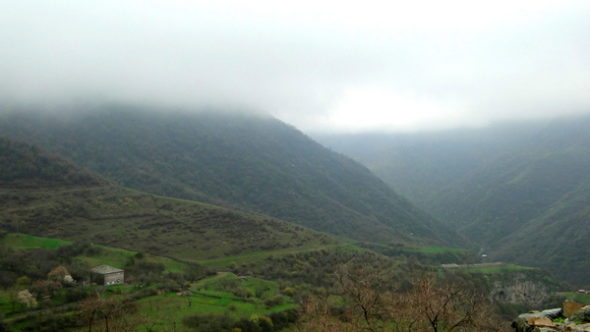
<point x="223" y="293"/>
<point x="224" y="262"/>
<point x="213" y="295"/>
<point x="109" y="256"/>
<point x="18" y="241"/>
<point x="106" y="255"/>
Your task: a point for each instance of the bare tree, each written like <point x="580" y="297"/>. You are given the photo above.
<point x="361" y="287"/>
<point x="429" y="305"/>
<point x="441" y="306"/>
<point x="112" y="312"/>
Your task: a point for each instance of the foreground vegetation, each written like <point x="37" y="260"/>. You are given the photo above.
<point x="194" y="266"/>
<point x="161" y="293"/>
<point x="336" y="288"/>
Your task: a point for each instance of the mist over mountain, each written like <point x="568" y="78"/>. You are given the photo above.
<point x="519" y="191"/>
<point x="251" y="162"/>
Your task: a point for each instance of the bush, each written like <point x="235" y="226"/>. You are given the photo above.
<point x="209" y="322"/>
<point x="274" y="301"/>
<point x="45" y="288"/>
<point x="169" y="285"/>
<point x="143" y="293"/>
<point x="289" y="291"/>
<point x="197" y="272"/>
<point x="7" y="278"/>
<point x="75" y="249"/>
<point x="3" y="327"/>
<point x="243" y="292"/>
<point x="283" y="319"/>
<point x="53" y="323"/>
<point x="76" y="294"/>
<point x="215" y="322"/>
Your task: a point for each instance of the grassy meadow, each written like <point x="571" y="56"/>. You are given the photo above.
<point x="157" y="307"/>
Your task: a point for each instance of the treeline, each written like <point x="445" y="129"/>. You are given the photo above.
<point x="256" y="163"/>
<point x="426" y="304"/>
<point x="275" y="321"/>
<point x="23" y="165"/>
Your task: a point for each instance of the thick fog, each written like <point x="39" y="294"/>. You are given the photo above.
<point x="319" y="65"/>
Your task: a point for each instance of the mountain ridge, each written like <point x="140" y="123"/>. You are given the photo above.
<point x="252" y="162"/>
<point x="506" y="187"/>
<point x="104" y="213"/>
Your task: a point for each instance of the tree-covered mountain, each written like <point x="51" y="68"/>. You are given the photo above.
<point x="251" y="162"/>
<point x="518" y="190"/>
<point x="173" y="248"/>
<point x="49" y="196"/>
<point x="25" y="166"/>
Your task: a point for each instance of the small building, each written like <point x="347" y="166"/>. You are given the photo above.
<point x="108" y="275"/>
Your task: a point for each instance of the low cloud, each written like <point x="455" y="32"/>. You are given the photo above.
<point x="322" y="66"/>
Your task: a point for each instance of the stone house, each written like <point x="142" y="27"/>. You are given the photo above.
<point x="108" y="275"/>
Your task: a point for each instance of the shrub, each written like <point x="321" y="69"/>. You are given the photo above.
<point x="45" y="287"/>
<point x="274" y="301"/>
<point x="143" y="293"/>
<point x="27" y="299"/>
<point x="289" y="291"/>
<point x="76" y="294"/>
<point x="209" y="322"/>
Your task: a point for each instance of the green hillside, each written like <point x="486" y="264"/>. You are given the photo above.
<point x="250" y="162"/>
<point x="90" y="209"/>
<point x="160" y="293"/>
<point x="24" y="166"/>
<point x="188" y="265"/>
<point x="519" y="191"/>
<point x="558" y="238"/>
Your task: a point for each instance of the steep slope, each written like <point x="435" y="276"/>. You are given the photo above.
<point x="252" y="162"/>
<point x="515" y="188"/>
<point x="25" y="166"/>
<point x="511" y="189"/>
<point x="557" y="240"/>
<point x="57" y="199"/>
<point x="421" y="166"/>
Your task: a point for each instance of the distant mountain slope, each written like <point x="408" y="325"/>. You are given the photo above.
<point x="558" y="239"/>
<point x="421" y="166"/>
<point x="520" y="191"/>
<point x="23" y="165"/>
<point x="505" y="194"/>
<point x="58" y="199"/>
<point x="251" y="162"/>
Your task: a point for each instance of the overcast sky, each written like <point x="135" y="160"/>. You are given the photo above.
<point x="319" y="65"/>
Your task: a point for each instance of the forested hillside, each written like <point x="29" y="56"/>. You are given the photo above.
<point x="251" y="162"/>
<point x="52" y="197"/>
<point x="518" y="190"/>
<point x="23" y="165"/>
<point x="280" y="273"/>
